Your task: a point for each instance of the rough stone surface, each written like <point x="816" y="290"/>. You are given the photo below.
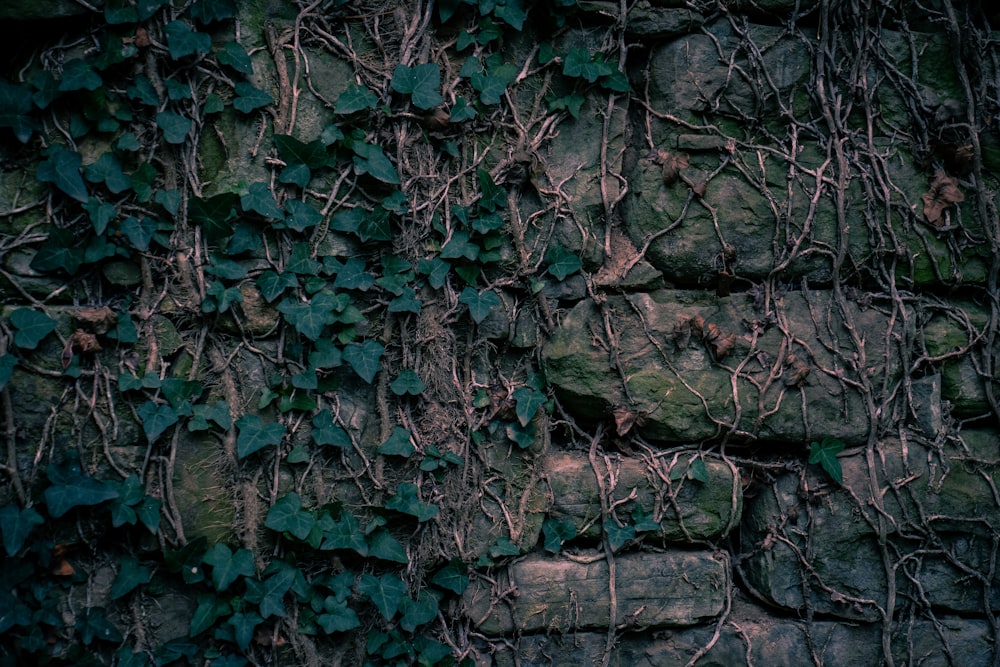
<point x="674" y="588"/>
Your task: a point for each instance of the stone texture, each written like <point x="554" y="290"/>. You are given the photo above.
<point x="673" y="588"/>
<point x="684" y="395"/>
<point x="940" y="509"/>
<point x="691" y="510"/>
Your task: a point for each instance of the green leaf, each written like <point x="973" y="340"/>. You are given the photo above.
<point x="175" y="126"/>
<point x="406" y="302"/>
<point x="301" y="216"/>
<point x="78" y="74"/>
<point x="71" y="488"/>
<point x="825" y="454"/>
<point x="523" y="436"/>
<point x="398" y="443"/>
<point x="32" y="327"/>
<point x="62" y="169"/>
<point x="100" y="214"/>
<point x="108" y="170"/>
<point x="131" y="575"/>
<point x="233" y="55"/>
<point x="696" y="470"/>
<point x="578" y="63"/>
<point x="417" y="612"/>
<point x="355" y="98"/>
<point x="407" y="382"/>
<point x="452" y="577"/>
<point x="384" y="591"/>
<point x="255" y="435"/>
<point x="260" y="200"/>
<point x="182" y="40"/>
<point x="337" y="617"/>
<point x="491" y="87"/>
<point x="422" y="83"/>
<point x="7" y="363"/>
<point x="364" y="358"/>
<point x="227" y="567"/>
<point x="326" y="433"/>
<point x="353" y="275"/>
<point x="459" y="246"/>
<point x="249" y="97"/>
<point x="139" y="232"/>
<point x="273" y="589"/>
<point x="556" y="533"/>
<point x="300" y="260"/>
<point x="562" y="262"/>
<point x="643" y="521"/>
<point x="210" y="11"/>
<point x="293" y="151"/>
<point x="504" y="547"/>
<point x="16" y="525"/>
<point x="369" y="159"/>
<point x="244" y="623"/>
<point x="149" y="514"/>
<point x="210" y="609"/>
<point x="213" y="214"/>
<point x="493" y="196"/>
<point x="156" y="419"/>
<point x="287" y="515"/>
<point x="382" y="545"/>
<point x="309" y="318"/>
<point x="527" y="403"/>
<point x="436" y="270"/>
<point x="15" y="107"/>
<point x="618" y="535"/>
<point x="326" y="355"/>
<point x="345" y="534"/>
<point x="480" y="303"/>
<point x="58" y="253"/>
<point x="512" y="13"/>
<point x="272" y="284"/>
<point x="407" y="500"/>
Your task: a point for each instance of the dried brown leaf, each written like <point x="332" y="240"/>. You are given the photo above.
<point x="942" y="194"/>
<point x="625" y="419"/>
<point x="672" y="163"/>
<point x="100" y="319"/>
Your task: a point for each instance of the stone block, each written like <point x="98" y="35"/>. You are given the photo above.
<point x="672" y="588"/>
<point x="686" y="509"/>
<point x="791" y="382"/>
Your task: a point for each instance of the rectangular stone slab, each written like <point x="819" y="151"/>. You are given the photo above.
<point x="554" y="593"/>
<point x="687" y="509"/>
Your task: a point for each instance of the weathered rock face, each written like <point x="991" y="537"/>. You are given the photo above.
<point x="697" y="367"/>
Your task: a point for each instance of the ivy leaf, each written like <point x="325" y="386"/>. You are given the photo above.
<point x="78" y="74"/>
<point x="557" y="532"/>
<point x="182" y="40"/>
<point x="490" y="87"/>
<point x="406" y="302"/>
<point x="16" y="525"/>
<point x="618" y="535"/>
<point x="326" y="433"/>
<point x="353" y="275"/>
<point x="296" y="174"/>
<point x="260" y="200"/>
<point x="527" y="402"/>
<point x="211" y="12"/>
<point x="418" y="612"/>
<point x="407" y="382"/>
<point x="131" y="575"/>
<point x="175" y="126"/>
<point x="213" y="214"/>
<point x="480" y="303"/>
<point x="301" y="216"/>
<point x="273" y="589"/>
<point x="562" y="262"/>
<point x="293" y="151"/>
<point x="384" y="591"/>
<point x="244" y="623"/>
<point x="255" y="435"/>
<point x="825" y="454"/>
<point x="436" y="270"/>
<point x="364" y="358"/>
<point x="139" y="232"/>
<point x="326" y="355"/>
<point x="210" y="609"/>
<point x="272" y="284"/>
<point x="355" y="98"/>
<point x="100" y="214"/>
<point x="398" y="443"/>
<point x="32" y="327"/>
<point x="309" y="318"/>
<point x="149" y="513"/>
<point x="106" y="169"/>
<point x="249" y="97"/>
<point x="287" y="515"/>
<point x="522" y="436"/>
<point x="7" y="363"/>
<point x="407" y="500"/>
<point x="337" y="616"/>
<point x="382" y="545"/>
<point x="156" y="419"/>
<point x="62" y="169"/>
<point x="493" y="196"/>
<point x="71" y="488"/>
<point x="422" y="83"/>
<point x="512" y="13"/>
<point x="58" y="253"/>
<point x="369" y="159"/>
<point x="300" y="260"/>
<point x="345" y="534"/>
<point x="696" y="471"/>
<point x="227" y="567"/>
<point x="233" y="55"/>
<point x="452" y="577"/>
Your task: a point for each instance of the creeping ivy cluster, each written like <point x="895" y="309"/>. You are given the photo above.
<point x="120" y="119"/>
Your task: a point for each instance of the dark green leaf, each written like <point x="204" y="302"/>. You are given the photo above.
<point x="249" y="98"/>
<point x="512" y="13"/>
<point x="300" y="260"/>
<point x="143" y="179"/>
<point x="406" y="302"/>
<point x="326" y="433"/>
<point x="461" y="111"/>
<point x="458" y="246"/>
<point x="272" y="285"/>
<point x="131" y="575"/>
<point x="643" y="521"/>
<point x="557" y="532"/>
<point x="7" y="363"/>
<point x="287" y="515"/>
<point x="213" y="214"/>
<point x="452" y="577"/>
<point x="364" y="358"/>
<point x="436" y="270"/>
<point x="697" y="472"/>
<point x="384" y="591"/>
<point x="825" y="454"/>
<point x="493" y="196"/>
<point x="210" y="609"/>
<point x="149" y="514"/>
<point x="226" y="268"/>
<point x="139" y="232"/>
<point x="301" y="216"/>
<point x="345" y="534"/>
<point x="326" y="355"/>
<point x="417" y="612"/>
<point x="562" y="262"/>
<point x="382" y="545"/>
<point x="504" y="547"/>
<point x="355" y="98"/>
<point x="397" y="444"/>
<point x="527" y="403"/>
<point x="480" y="303"/>
<point x="16" y="525"/>
<point x="422" y="83"/>
<point x="578" y="63"/>
<point x="337" y="616"/>
<point x="260" y="200"/>
<point x="15" y="105"/>
<point x="62" y="169"/>
<point x="293" y="151"/>
<point x="175" y="126"/>
<point x="369" y="159"/>
<point x="233" y="55"/>
<point x="106" y="169"/>
<point x="32" y="327"/>
<point x="58" y="253"/>
<point x="274" y="589"/>
<point x="491" y="88"/>
<point x="255" y="435"/>
<point x="244" y="623"/>
<point x="156" y="419"/>
<point x="408" y="382"/>
<point x="296" y="174"/>
<point x="407" y="500"/>
<point x="95" y="625"/>
<point x="211" y="11"/>
<point x="523" y="436"/>
<point x="183" y="41"/>
<point x="308" y="318"/>
<point x="353" y="275"/>
<point x="227" y="567"/>
<point x="100" y="214"/>
<point x="71" y="488"/>
<point x="77" y="74"/>
<point x="618" y="535"/>
<point x="616" y="81"/>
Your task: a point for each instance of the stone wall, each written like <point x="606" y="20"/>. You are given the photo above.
<point x="697" y="370"/>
